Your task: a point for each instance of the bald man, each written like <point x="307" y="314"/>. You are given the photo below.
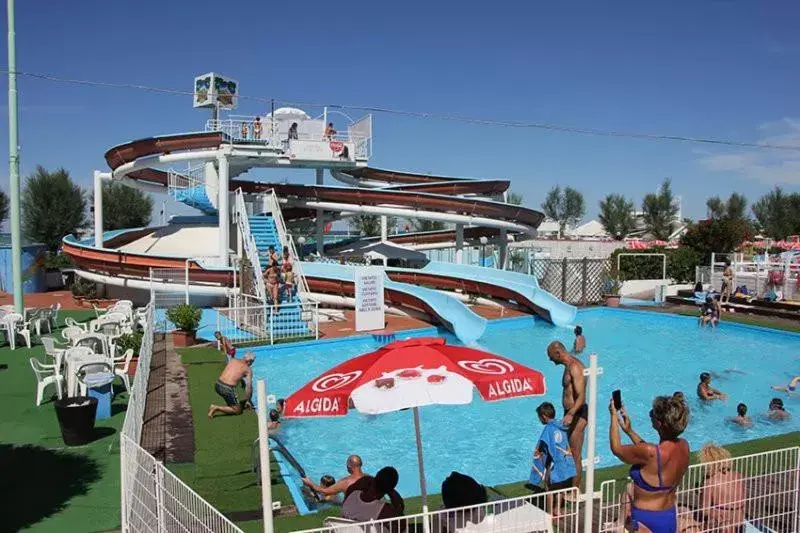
<point x="354" y="473"/>
<point x="573" y="400"/>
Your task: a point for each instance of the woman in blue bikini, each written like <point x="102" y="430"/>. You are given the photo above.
<point x="657" y="468"/>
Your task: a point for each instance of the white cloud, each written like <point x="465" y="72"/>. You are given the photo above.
<point x="771" y="166"/>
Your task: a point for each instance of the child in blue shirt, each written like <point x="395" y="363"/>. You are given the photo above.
<point x="552" y="458"/>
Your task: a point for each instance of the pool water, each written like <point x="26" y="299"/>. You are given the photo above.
<point x="641" y="353"/>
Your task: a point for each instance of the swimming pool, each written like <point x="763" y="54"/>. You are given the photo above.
<point x="642" y="353"/>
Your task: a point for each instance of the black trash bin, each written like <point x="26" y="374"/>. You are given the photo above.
<point x="76" y="418"/>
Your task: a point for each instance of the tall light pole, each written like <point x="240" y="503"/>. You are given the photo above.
<point x="13" y="163"/>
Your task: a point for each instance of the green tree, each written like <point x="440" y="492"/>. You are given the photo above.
<point x="778" y="214"/>
<point x="659" y="211"/>
<point x="514" y="198"/>
<point x="365" y="224"/>
<point x="125" y="207"/>
<point x="565" y="206"/>
<point x="716" y="235"/>
<point x="420" y="225"/>
<point x="3" y="207"/>
<point x="734" y="209"/>
<point x="616" y="215"/>
<point x="52" y="206"/>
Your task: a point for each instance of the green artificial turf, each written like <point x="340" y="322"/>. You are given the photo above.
<point x="47" y="486"/>
<point x="221" y="472"/>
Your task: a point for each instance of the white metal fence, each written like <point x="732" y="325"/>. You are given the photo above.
<point x="153" y="499"/>
<point x="545" y="512"/>
<point x="274" y="207"/>
<point x="758" y="491"/>
<point x="249" y="244"/>
<point x="256" y="323"/>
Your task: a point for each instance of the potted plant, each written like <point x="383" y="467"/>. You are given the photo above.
<point x="81" y="290"/>
<point x="611" y="288"/>
<point x="186" y="318"/>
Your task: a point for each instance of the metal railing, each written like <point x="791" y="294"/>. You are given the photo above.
<point x="760" y="490"/>
<point x="249" y="243"/>
<point x="153" y="499"/>
<point x="255" y="323"/>
<point x="274" y="207"/>
<point x="545" y="512"/>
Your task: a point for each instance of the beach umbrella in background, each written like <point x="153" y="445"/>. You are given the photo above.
<point x="411" y="374"/>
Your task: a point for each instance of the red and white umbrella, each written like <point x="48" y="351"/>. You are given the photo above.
<point x="411" y="374"/>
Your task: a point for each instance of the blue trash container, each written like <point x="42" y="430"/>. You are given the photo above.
<point x="100" y="387"/>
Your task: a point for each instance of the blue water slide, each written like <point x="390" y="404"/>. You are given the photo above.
<point x="561" y="313"/>
<point x="454" y="315"/>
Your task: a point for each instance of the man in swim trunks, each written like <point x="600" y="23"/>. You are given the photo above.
<point x="791" y="387"/>
<point x="727" y="281"/>
<point x="706" y="392"/>
<point x="225" y="345"/>
<point x="776" y="411"/>
<point x="235" y="371"/>
<point x="354" y="473"/>
<point x="573" y="400"/>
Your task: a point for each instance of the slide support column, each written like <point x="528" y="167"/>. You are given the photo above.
<point x="222" y="209"/>
<point x="320" y="235"/>
<point x="503" y="249"/>
<point x="98" y="209"/>
<point x="460" y="244"/>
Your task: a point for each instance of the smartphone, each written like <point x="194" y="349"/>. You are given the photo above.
<point x="616" y="396"/>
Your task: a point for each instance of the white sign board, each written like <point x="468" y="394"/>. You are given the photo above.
<point x="320" y="150"/>
<point x="215" y="90"/>
<point x="369" y="299"/>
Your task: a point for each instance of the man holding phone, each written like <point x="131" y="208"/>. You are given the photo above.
<point x="573" y="400"/>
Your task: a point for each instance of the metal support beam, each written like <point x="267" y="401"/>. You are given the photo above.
<point x="384" y="228"/>
<point x="503" y="249"/>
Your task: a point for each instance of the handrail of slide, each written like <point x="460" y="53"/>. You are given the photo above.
<point x="286" y="239"/>
<point x="460" y="319"/>
<point x="249" y="244"/>
<point x="561" y="313"/>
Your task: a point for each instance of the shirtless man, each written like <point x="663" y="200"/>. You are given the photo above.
<point x="706" y="392"/>
<point x="580" y="341"/>
<point x="225" y="345"/>
<point x="235" y="371"/>
<point x="354" y="473"/>
<point x="573" y="399"/>
<point x="727" y="281"/>
<point x="790" y="387"/>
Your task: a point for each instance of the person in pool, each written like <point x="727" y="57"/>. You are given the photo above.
<point x="791" y="387"/>
<point x="707" y="312"/>
<point x="656" y="469"/>
<point x="354" y="473"/>
<point x="580" y="341"/>
<point x="741" y="417"/>
<point x="776" y="411"/>
<point x="706" y="392"/>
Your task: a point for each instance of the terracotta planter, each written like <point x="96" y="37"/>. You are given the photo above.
<point x="184" y="338"/>
<point x="612" y="300"/>
<point x="133" y="366"/>
<point x="78" y="300"/>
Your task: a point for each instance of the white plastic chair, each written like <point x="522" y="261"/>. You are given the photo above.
<point x="39" y="318"/>
<point x="71" y="332"/>
<point x="97" y="342"/>
<point x="87" y="370"/>
<point x="46" y="375"/>
<point x="50" y="348"/>
<point x="54" y="309"/>
<point x="16" y="326"/>
<point x="121" y="366"/>
<point x="71" y="322"/>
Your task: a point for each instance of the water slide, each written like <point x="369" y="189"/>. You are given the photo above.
<point x="521" y="288"/>
<point x="451" y="313"/>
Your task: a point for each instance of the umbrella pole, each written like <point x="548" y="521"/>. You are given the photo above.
<point x="421" y="464"/>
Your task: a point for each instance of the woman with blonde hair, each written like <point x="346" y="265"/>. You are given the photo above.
<point x="723" y="490"/>
<point x="657" y="468"/>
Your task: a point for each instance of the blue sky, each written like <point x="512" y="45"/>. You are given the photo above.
<point x="703" y="69"/>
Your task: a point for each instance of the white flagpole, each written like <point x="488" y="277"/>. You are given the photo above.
<point x="421" y="463"/>
<point x="263" y="452"/>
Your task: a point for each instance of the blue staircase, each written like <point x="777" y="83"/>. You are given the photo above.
<point x="195" y="197"/>
<point x="265" y="234"/>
